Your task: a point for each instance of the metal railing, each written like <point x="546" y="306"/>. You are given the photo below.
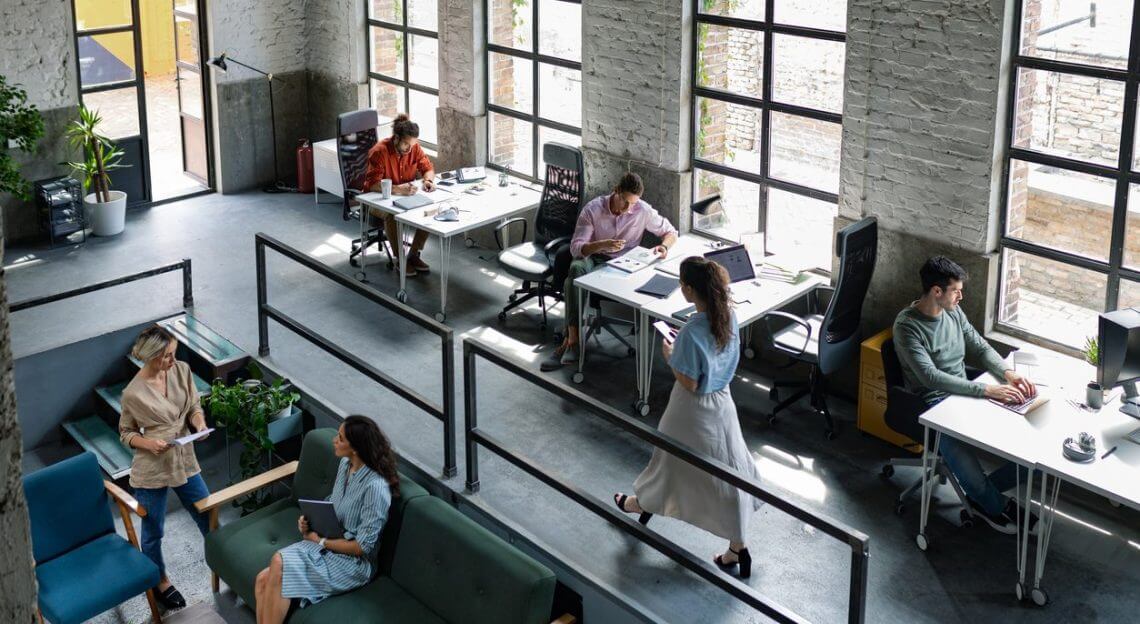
<point x="187" y="286"/>
<point x="265" y="311"/>
<point x="856" y="540"/>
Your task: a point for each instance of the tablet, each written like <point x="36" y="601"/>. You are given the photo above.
<point x="322" y="518"/>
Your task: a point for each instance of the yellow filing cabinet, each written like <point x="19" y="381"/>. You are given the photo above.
<point x="873" y="392"/>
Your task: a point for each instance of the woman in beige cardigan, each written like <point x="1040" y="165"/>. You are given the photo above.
<point x="159" y="405"/>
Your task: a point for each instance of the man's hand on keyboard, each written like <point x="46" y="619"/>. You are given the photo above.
<point x="1006" y="393"/>
<point x="1019" y="381"/>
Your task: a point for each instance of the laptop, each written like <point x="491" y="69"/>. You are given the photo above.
<point x="410" y="202"/>
<point x="736" y="261"/>
<point x="1025" y="406"/>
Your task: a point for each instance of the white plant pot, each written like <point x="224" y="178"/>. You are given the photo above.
<point x="107" y="218"/>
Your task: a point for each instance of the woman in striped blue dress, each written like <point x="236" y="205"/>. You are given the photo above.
<point x="317" y="567"/>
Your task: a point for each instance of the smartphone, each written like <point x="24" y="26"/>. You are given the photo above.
<point x="667" y="332"/>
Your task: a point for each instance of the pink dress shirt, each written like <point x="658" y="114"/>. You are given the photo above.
<point x="596" y="223"/>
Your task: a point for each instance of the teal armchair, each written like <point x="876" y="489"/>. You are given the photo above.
<point x="83" y="566"/>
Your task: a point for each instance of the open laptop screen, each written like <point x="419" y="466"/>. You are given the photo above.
<point x="736" y="261"/>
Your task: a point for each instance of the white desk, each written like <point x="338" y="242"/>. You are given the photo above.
<point x="756" y="301"/>
<point x="1034" y="441"/>
<point x="494" y="205"/>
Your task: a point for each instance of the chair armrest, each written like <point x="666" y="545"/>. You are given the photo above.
<point x="565" y="618"/>
<point x="795" y="319"/>
<point x="250" y="485"/>
<point x="125" y="500"/>
<point x="551" y="248"/>
<point x="505" y="224"/>
<point x="813" y="302"/>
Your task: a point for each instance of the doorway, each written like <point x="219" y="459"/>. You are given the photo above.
<point x="141" y="67"/>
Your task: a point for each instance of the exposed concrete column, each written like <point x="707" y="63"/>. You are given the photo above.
<point x="462" y="114"/>
<point x="636" y="86"/>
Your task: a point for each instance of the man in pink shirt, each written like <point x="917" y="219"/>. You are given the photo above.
<point x="607" y="227"/>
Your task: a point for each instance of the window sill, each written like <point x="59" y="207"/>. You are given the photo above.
<point x="1008" y="342"/>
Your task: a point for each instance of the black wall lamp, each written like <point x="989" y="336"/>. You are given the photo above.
<point x="221" y="63"/>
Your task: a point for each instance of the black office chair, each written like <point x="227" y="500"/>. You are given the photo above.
<point x="534" y="262"/>
<point x="355" y="136"/>
<point x="829" y="341"/>
<point x="903" y="410"/>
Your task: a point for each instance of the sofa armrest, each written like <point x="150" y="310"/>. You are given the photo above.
<point x="250" y="485"/>
<point x="565" y="618"/>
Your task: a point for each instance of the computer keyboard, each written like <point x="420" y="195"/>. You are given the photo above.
<point x="1026" y="406"/>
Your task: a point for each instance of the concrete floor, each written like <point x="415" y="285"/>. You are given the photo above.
<point x="968" y="575"/>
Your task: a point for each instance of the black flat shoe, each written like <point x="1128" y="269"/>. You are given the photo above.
<point x="170" y="598"/>
<point x="743" y="559"/>
<point x="619" y="500"/>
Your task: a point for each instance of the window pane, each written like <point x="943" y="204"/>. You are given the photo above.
<point x="808" y="72"/>
<point x="729" y="134"/>
<point x="386" y="11"/>
<point x="509" y="23"/>
<point x="1069" y="115"/>
<point x="119" y="109"/>
<point x="186" y="40"/>
<point x="825" y="14"/>
<point x="388" y="52"/>
<point x="90" y="14"/>
<point x="511" y="143"/>
<point x="1106" y="44"/>
<point x="560" y="94"/>
<point x="805" y="151"/>
<point x="189" y="92"/>
<point x="739" y="199"/>
<point x="561" y="29"/>
<point x="422" y="111"/>
<point x="730" y="59"/>
<point x="186" y="6"/>
<point x="550" y="135"/>
<point x="423" y="64"/>
<point x="1050" y="299"/>
<point x="800" y="228"/>
<point x="1061" y="209"/>
<point x="512" y="82"/>
<point x="1132" y="229"/>
<point x="743" y="9"/>
<point x="1129" y="295"/>
<point x="387" y="99"/>
<point x="106" y="58"/>
<point x="423" y="14"/>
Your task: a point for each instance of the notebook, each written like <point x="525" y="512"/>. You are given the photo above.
<point x="659" y="286"/>
<point x="412" y="201"/>
<point x="634" y="260"/>
<point x="322" y="518"/>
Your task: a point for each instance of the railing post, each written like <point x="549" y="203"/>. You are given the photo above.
<point x="187" y="284"/>
<point x="449" y="467"/>
<point x="262" y="298"/>
<point x="857" y="606"/>
<point x="470" y="419"/>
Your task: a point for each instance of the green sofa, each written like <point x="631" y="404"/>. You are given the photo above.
<point x="435" y="564"/>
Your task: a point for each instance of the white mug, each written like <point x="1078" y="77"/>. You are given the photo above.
<point x="386" y="188"/>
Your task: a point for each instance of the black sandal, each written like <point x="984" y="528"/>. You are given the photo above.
<point x="619" y="500"/>
<point x="743" y="559"/>
<point x="170" y="598"/>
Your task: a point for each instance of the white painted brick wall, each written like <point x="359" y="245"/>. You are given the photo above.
<point x="462" y="75"/>
<point x="921" y="113"/>
<point x="269" y="35"/>
<point x="37" y="50"/>
<point x="334" y="37"/>
<point x="637" y="72"/>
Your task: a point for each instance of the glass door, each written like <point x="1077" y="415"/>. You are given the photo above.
<point x="191" y="87"/>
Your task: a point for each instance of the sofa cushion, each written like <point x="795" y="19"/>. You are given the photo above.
<point x="87" y="581"/>
<point x="464" y="572"/>
<point x="390" y="536"/>
<point x="318" y="465"/>
<point x="382" y="600"/>
<point x="67" y="506"/>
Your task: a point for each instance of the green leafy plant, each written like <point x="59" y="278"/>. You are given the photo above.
<point x="244" y="409"/>
<point x="20" y="123"/>
<point x="100" y="155"/>
<point x="1092" y="351"/>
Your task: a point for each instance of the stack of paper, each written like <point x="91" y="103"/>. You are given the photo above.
<point x="777" y="273"/>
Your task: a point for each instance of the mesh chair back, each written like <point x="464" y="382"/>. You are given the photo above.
<point x="561" y="193"/>
<point x="355" y="136"/>
<point x="857" y="246"/>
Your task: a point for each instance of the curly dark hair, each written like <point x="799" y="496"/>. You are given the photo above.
<point x="374" y="449"/>
<point x="709" y="281"/>
<point x="404" y="128"/>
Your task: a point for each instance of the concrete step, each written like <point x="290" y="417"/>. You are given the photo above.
<point x="95" y="435"/>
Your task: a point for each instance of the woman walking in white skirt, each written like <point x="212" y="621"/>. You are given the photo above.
<point x="702" y="415"/>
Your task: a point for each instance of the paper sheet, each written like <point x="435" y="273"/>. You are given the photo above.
<point x="193" y="437"/>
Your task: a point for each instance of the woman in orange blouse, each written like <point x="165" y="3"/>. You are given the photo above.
<point x="399" y="158"/>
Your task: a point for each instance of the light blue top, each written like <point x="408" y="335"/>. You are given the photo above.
<point x="696" y="356"/>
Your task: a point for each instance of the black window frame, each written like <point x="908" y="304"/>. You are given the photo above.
<point x="1122" y="173"/>
<point x="406" y="32"/>
<point x="765" y="105"/>
<point x="533" y="118"/>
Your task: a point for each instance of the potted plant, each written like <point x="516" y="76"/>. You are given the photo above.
<point x="21" y="126"/>
<point x="107" y="209"/>
<point x="1094" y="394"/>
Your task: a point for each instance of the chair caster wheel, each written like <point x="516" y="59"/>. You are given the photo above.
<point x="468" y="242"/>
<point x="830" y="434"/>
<point x="440" y="316"/>
<point x="502" y="317"/>
<point x="888" y="471"/>
<point x="900" y="509"/>
<point x="920" y="540"/>
<point x="402" y="296"/>
<point x="1019" y="591"/>
<point x="542" y="327"/>
<point x="942" y="479"/>
<point x="772" y="420"/>
<point x="577" y="378"/>
<point x="354" y="263"/>
<point x="512" y="298"/>
<point x="966" y="519"/>
<point x="641" y="407"/>
<point x="1039" y="597"/>
<point x="774" y="395"/>
<point x="750" y="353"/>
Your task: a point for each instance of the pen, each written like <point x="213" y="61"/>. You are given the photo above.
<point x="1109" y="452"/>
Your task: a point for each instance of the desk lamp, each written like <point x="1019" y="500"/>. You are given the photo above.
<point x="221" y="64"/>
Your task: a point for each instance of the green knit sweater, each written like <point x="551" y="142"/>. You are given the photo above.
<point x="933" y="352"/>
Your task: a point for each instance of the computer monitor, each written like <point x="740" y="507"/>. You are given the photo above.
<point x="1118" y="335"/>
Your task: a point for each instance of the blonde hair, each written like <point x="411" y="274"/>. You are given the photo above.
<point x="151" y="343"/>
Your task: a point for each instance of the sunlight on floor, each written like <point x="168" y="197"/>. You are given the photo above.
<point x="490" y="335"/>
<point x="789" y="472"/>
<point x="336" y="244"/>
<point x="23" y="261"/>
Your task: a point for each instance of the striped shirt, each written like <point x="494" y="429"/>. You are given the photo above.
<point x="361" y="501"/>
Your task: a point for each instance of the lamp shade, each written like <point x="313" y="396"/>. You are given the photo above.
<point x="702" y="207"/>
<point x="219" y="62"/>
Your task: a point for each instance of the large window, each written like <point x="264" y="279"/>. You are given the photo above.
<point x="1071" y="222"/>
<point x="403" y="61"/>
<point x="767" y="103"/>
<point x="534" y="80"/>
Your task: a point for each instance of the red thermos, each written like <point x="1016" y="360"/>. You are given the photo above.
<point x="304" y="167"/>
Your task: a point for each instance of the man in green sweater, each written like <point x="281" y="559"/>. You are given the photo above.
<point x="933" y="339"/>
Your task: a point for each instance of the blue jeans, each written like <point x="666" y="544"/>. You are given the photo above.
<point x="154" y="501"/>
<point x="985" y="490"/>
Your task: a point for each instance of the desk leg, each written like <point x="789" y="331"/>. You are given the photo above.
<point x="1023" y="532"/>
<point x="444" y="269"/>
<point x="1044" y="533"/>
<point x="929" y="458"/>
<point x="644" y="358"/>
<point x="363" y="257"/>
<point x="583" y="299"/>
<point x="398" y="247"/>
